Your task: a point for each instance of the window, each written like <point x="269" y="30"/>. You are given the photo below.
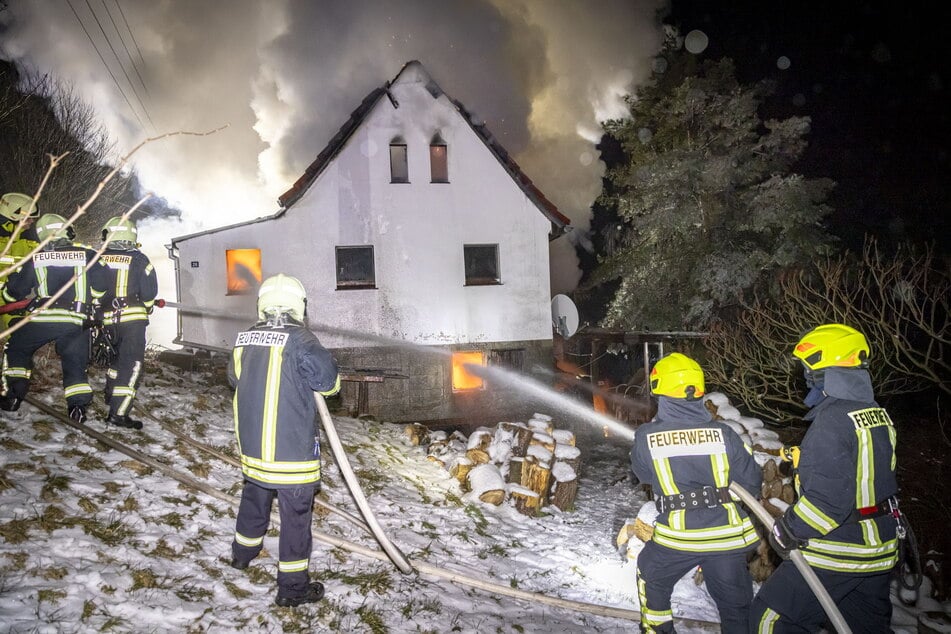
<point x="438" y="160"/>
<point x="399" y="170"/>
<point x="462" y="379"/>
<point x="244" y="270"/>
<point x="355" y="267"/>
<point x="510" y="359"/>
<point x="482" y="264"/>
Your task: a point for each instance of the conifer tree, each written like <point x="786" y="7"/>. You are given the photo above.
<point x="706" y="200"/>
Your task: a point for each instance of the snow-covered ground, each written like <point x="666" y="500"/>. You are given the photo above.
<point x="92" y="541"/>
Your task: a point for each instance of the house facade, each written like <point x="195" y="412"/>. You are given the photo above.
<point x="421" y="245"/>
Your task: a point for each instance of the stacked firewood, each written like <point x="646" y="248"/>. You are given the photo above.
<point x="531" y="465"/>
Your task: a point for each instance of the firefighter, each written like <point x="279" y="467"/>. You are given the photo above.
<point x="690" y="460"/>
<point x="846" y="519"/>
<point x="275" y="367"/>
<point x="60" y="265"/>
<point x="125" y="312"/>
<point x="17" y="237"/>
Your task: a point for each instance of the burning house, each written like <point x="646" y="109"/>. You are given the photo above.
<point x="412" y="225"/>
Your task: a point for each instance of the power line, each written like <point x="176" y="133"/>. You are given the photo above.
<point x="129" y="28"/>
<point x="103" y="60"/>
<point x="128" y="54"/>
<point x="121" y="66"/>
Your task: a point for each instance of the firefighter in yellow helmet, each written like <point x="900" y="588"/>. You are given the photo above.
<point x="125" y="309"/>
<point x="846" y="520"/>
<point x="60" y="266"/>
<point x="17" y="238"/>
<point x="276" y="366"/>
<point x="690" y="460"/>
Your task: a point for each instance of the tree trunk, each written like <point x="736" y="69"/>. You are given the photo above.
<point x="536" y="476"/>
<point x="526" y="500"/>
<point x="564" y="493"/>
<point x="515" y="470"/>
<point x="418" y="434"/>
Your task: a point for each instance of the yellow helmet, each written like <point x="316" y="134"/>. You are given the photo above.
<point x="53" y="226"/>
<point x="832" y="345"/>
<point x="119" y="230"/>
<point x="14" y="206"/>
<point x="282" y="294"/>
<point x="677" y="376"/>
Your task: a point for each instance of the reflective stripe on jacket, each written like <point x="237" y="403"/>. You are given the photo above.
<point x="847" y="462"/>
<point x="275" y="371"/>
<point x="133" y="282"/>
<point x="50" y="270"/>
<point x="674" y="457"/>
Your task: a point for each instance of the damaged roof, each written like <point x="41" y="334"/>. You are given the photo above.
<point x="560" y="222"/>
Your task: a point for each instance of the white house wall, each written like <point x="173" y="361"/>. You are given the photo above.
<point x="417" y="229"/>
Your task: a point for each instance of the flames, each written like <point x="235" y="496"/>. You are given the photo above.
<point x="461" y="378"/>
<point x="244" y="270"/>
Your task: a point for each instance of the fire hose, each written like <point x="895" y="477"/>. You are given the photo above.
<point x="397" y="557"/>
<point x="798" y="560"/>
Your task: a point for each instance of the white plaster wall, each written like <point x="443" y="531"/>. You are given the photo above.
<point x="417" y="229"/>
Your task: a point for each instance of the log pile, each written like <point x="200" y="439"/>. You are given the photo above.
<point x="531" y="465"/>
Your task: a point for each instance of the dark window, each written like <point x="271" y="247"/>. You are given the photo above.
<point x="438" y="160"/>
<point x="355" y="267"/>
<point x="482" y="264"/>
<point x="510" y="359"/>
<point x="399" y="170"/>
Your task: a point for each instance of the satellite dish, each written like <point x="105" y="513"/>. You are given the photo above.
<point x="564" y="315"/>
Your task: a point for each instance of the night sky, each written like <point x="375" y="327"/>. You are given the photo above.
<point x="874" y="78"/>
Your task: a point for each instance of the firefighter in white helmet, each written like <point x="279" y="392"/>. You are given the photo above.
<point x="276" y="366"/>
<point x="690" y="460"/>
<point x="61" y="265"/>
<point x="124" y="315"/>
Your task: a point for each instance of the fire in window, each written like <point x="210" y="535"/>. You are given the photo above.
<point x="462" y="379"/>
<point x="438" y="160"/>
<point x="244" y="270"/>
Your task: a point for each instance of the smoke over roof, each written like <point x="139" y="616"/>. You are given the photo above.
<point x="285" y="75"/>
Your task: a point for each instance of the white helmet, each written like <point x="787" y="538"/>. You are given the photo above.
<point x="282" y="294"/>
<point x="14" y="206"/>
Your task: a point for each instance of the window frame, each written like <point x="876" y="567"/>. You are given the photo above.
<point x="348" y="285"/>
<point x="398" y="142"/>
<point x="436" y="143"/>
<point x="482" y="281"/>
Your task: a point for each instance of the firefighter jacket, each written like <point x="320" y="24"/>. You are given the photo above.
<point x="20" y="247"/>
<point x="847" y="462"/>
<point x="682" y="451"/>
<point x="132" y="286"/>
<point x="50" y="270"/>
<point x="275" y="371"/>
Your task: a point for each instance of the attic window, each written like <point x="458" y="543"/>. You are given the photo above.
<point x="399" y="170"/>
<point x="462" y="379"/>
<point x="481" y="264"/>
<point x="355" y="268"/>
<point x="438" y="160"/>
<point x="244" y="270"/>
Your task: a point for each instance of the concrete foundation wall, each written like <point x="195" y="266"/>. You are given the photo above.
<point x="426" y="393"/>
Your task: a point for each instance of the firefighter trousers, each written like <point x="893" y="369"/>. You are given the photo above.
<point x="72" y="346"/>
<point x="785" y="603"/>
<point x="725" y="574"/>
<point x="125" y="373"/>
<point x="295" y="541"/>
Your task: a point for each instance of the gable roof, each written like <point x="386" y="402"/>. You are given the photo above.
<point x="560" y="222"/>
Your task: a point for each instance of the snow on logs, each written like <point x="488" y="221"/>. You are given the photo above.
<point x="529" y="464"/>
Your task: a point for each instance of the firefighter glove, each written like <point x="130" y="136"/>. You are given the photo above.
<point x="782" y="539"/>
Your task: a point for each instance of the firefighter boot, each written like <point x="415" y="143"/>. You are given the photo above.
<point x="10" y="403"/>
<point x="124" y="421"/>
<point x="314" y="594"/>
<point x="77" y="413"/>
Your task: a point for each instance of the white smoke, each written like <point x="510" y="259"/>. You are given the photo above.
<point x="285" y="75"/>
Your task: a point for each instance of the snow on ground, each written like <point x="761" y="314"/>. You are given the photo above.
<point x="91" y="541"/>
